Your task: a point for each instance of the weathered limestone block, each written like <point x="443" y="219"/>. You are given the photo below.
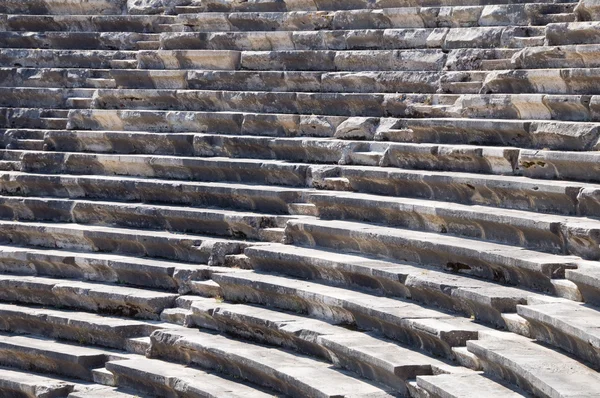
<point x="564" y="136"/>
<point x="589" y="201"/>
<point x="572" y="33"/>
<point x="379" y="82"/>
<point x="503" y="15"/>
<point x="533" y="367"/>
<point x="288" y="60"/>
<point x="63" y="7"/>
<point x="188" y="59"/>
<point x="588" y="10"/>
<point x="361" y="128"/>
<point x="153" y="6"/>
<point x="582" y="166"/>
<point x="456" y="15"/>
<point x="469" y="59"/>
<point x="570" y="56"/>
<point x="32" y="385"/>
<point x="522" y="36"/>
<point x="473" y="38"/>
<point x="405" y="60"/>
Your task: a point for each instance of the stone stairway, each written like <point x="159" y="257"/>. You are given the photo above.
<point x="307" y="198"/>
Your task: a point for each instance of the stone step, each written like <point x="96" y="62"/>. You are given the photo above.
<point x="96" y="238"/>
<point x="551" y="81"/>
<point x="502" y="106"/>
<point x="94" y="297"/>
<point x="32" y="118"/>
<point x="587" y="279"/>
<point x="80" y="327"/>
<point x="74" y="40"/>
<point x="501" y="263"/>
<point x="385" y="18"/>
<point x="512" y="192"/>
<point x="544" y="232"/>
<point x="326" y="5"/>
<point x="287" y="81"/>
<point x="263" y="198"/>
<point x="263" y="124"/>
<point x="370" y="356"/>
<point x="17" y="383"/>
<point x="10" y="165"/>
<point x="165" y="379"/>
<point x="556" y="135"/>
<point x="283" y="371"/>
<point x="78" y="102"/>
<point x="36" y="97"/>
<point x="42" y="58"/>
<point x="297" y="60"/>
<point x="87" y="23"/>
<point x="566" y="81"/>
<point x="49" y="77"/>
<point x="123" y="64"/>
<point x="240" y="225"/>
<point x="567" y="325"/>
<point x="560" y="165"/>
<point x="24" y="134"/>
<point x="567" y="56"/>
<point x="372" y="39"/>
<point x="466" y="385"/>
<point x="104" y="267"/>
<point x="46" y="355"/>
<point x="314" y="150"/>
<point x="104" y="392"/>
<point x="148" y="45"/>
<point x="62" y="7"/>
<point x="169" y="167"/>
<point x="542" y="371"/>
<point x="526" y="133"/>
<point x="398" y="319"/>
<point x="482" y="300"/>
<point x="31" y="145"/>
<point x="207" y="288"/>
<point x="572" y="33"/>
<point x="101" y="82"/>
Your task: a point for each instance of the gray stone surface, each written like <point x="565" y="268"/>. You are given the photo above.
<point x="289" y="373"/>
<point x="299" y="197"/>
<point x="537" y="369"/>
